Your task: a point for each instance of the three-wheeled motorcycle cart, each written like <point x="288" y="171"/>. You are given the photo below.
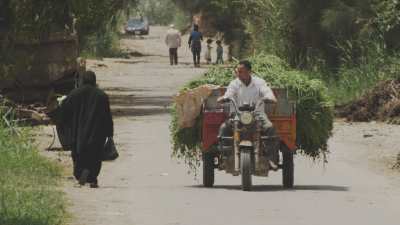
<point x="248" y="160"/>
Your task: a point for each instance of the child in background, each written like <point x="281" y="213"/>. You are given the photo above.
<point x="207" y="54"/>
<point x="220" y="53"/>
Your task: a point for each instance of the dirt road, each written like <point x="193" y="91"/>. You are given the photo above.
<point x="146" y="187"/>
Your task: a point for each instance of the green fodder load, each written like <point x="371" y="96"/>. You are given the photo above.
<point x="315" y="111"/>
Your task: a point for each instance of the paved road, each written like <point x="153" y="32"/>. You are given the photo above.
<point x="146" y="187"/>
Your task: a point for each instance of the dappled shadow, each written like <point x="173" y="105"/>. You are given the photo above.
<point x="129" y="112"/>
<point x="114" y="187"/>
<point x="122" y="89"/>
<point x="57" y="149"/>
<point x="185" y="63"/>
<point x="272" y="188"/>
<point x="132" y="105"/>
<point x="129" y="62"/>
<point x="133" y="100"/>
<point x="139" y="37"/>
<point x="133" y="37"/>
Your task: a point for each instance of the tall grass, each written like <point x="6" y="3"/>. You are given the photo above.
<point x="182" y="20"/>
<point x="357" y="75"/>
<point x="28" y="183"/>
<point x="106" y="41"/>
<point x="102" y="44"/>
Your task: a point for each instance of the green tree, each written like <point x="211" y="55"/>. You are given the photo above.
<point x="158" y="12"/>
<point x="37" y="19"/>
<point x="303" y="31"/>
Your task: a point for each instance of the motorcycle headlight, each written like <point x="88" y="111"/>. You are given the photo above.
<point x="246" y="118"/>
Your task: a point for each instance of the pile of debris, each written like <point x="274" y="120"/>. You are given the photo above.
<point x="381" y="103"/>
<point x="32" y="114"/>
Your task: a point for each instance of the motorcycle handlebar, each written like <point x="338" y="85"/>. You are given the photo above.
<point x="235" y="105"/>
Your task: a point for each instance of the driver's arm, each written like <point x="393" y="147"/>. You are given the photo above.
<point x="231" y="91"/>
<point x="267" y="93"/>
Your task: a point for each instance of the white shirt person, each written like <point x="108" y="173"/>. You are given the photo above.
<point x="173" y="41"/>
<point x="257" y="90"/>
<point x="250" y="89"/>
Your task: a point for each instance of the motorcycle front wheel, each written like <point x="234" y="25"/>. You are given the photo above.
<point x="245" y="168"/>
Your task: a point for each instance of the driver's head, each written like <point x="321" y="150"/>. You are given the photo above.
<point x="243" y="71"/>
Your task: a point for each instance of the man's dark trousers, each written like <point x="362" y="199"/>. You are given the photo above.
<point x="173" y="56"/>
<point x="196" y="55"/>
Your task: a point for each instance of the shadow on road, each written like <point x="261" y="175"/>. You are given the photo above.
<point x="139" y="37"/>
<point x="133" y="100"/>
<point x="132" y="105"/>
<point x="122" y="89"/>
<point x="131" y="112"/>
<point x="129" y="62"/>
<point x="271" y="188"/>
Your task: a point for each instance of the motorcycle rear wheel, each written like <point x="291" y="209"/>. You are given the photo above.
<point x="208" y="169"/>
<point x="287" y="169"/>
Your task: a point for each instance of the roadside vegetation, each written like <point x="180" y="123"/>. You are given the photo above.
<point x="96" y="23"/>
<point x="349" y="45"/>
<point x="28" y="183"/>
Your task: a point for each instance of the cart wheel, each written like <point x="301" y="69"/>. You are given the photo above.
<point x="245" y="167"/>
<point x="288" y="169"/>
<point x="208" y="169"/>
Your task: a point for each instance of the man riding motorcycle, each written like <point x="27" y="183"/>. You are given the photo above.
<point x="250" y="89"/>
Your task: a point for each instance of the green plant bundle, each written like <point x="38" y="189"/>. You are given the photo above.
<point x="28" y="183"/>
<point x="314" y="108"/>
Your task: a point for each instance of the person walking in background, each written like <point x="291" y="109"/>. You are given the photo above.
<point x="195" y="40"/>
<point x="220" y="53"/>
<point x="173" y="41"/>
<point x="87" y="111"/>
<point x="207" y="55"/>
